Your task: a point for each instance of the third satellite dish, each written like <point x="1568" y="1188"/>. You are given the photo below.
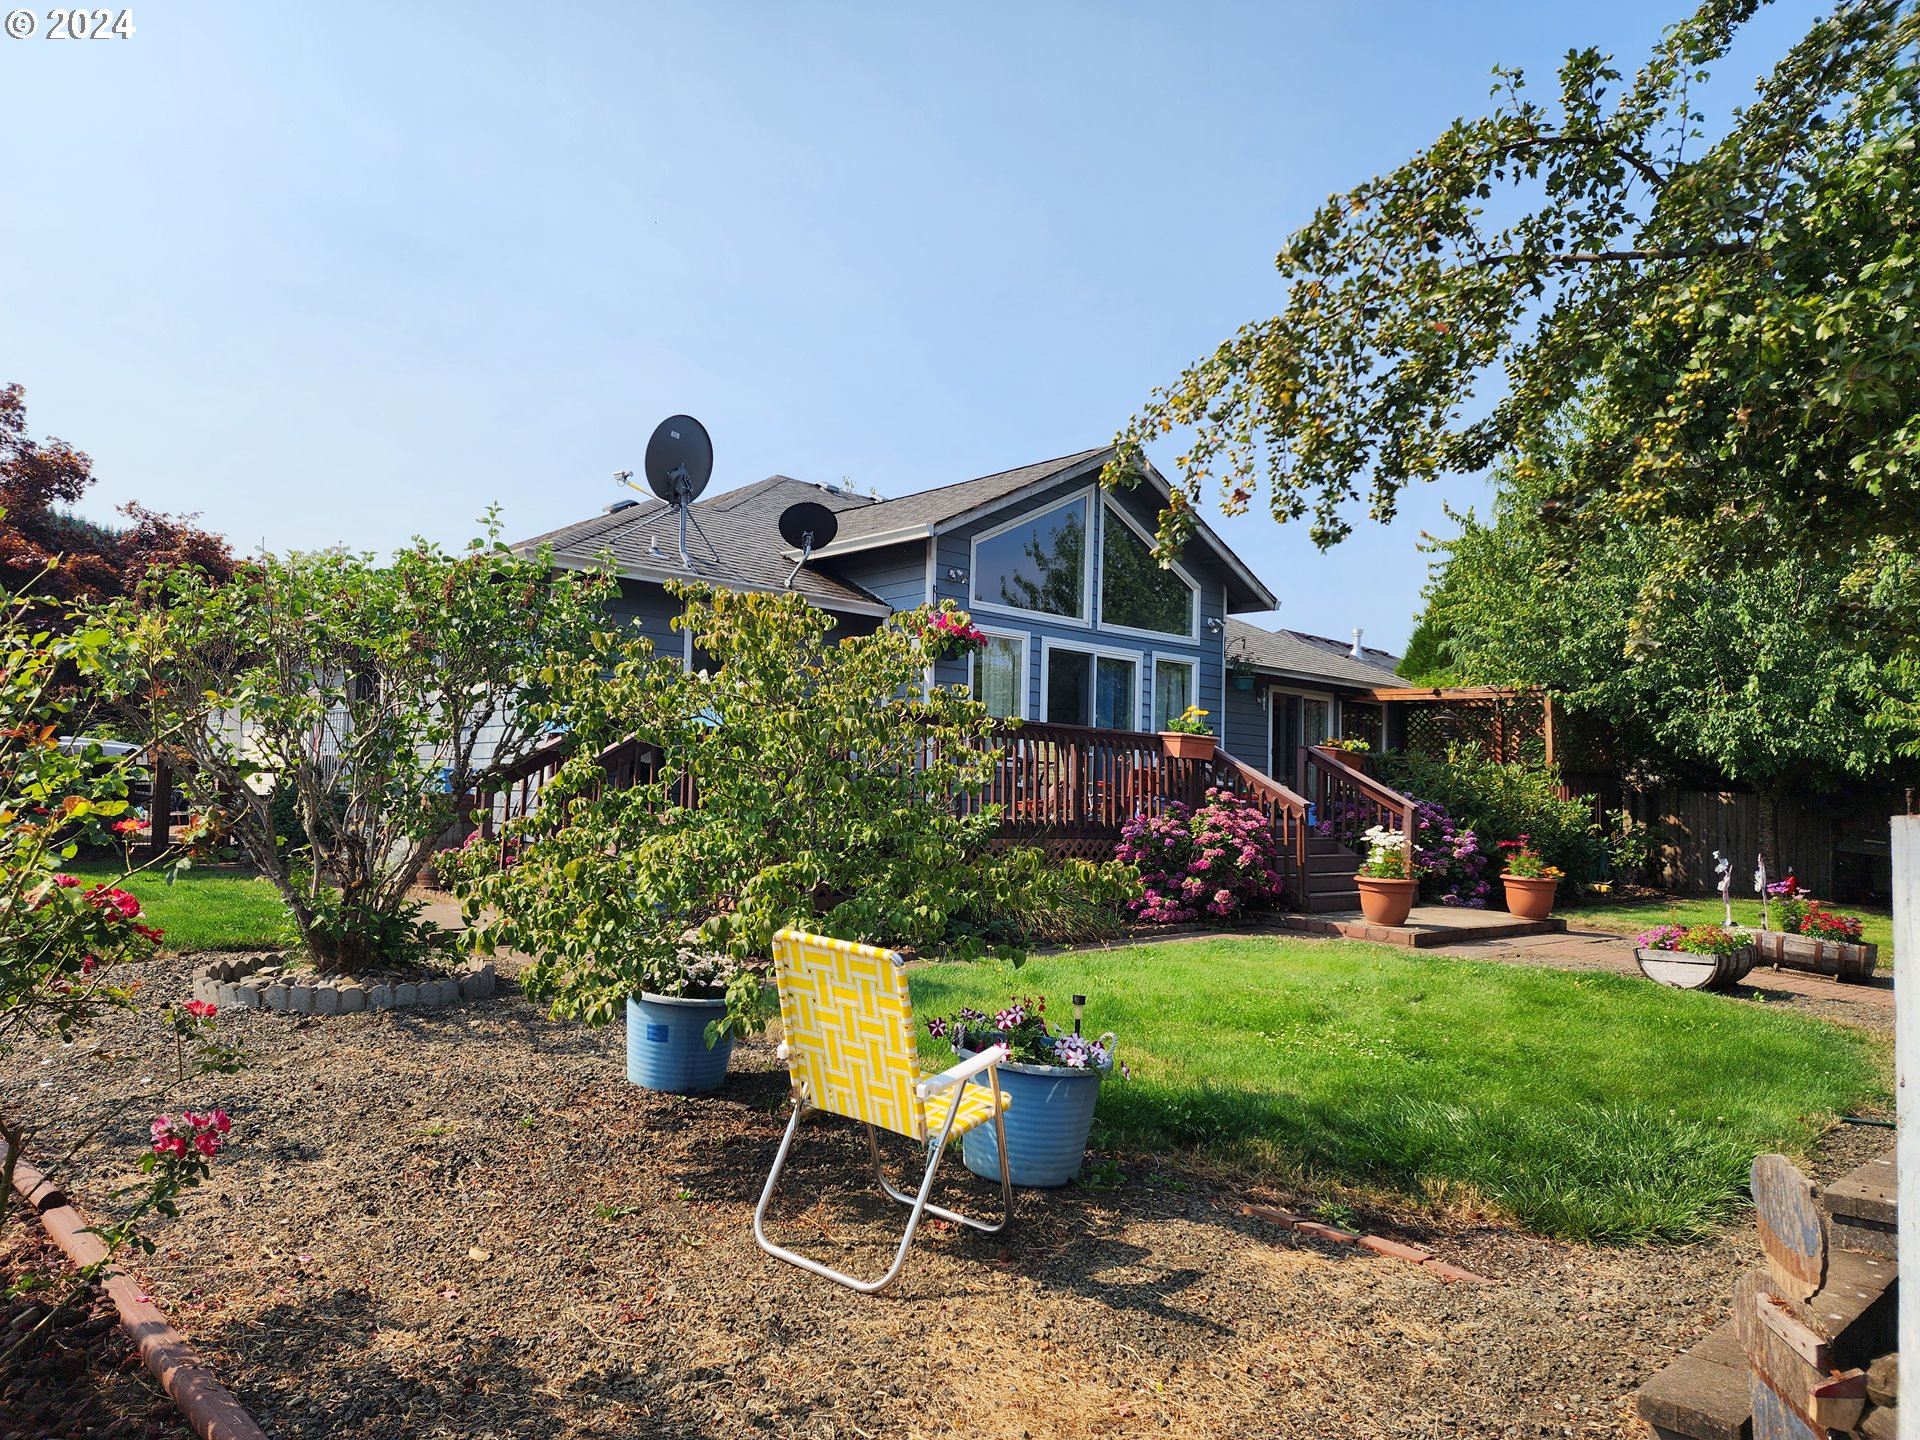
<point x="679" y="460"/>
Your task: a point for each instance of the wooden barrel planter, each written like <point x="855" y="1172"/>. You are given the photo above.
<point x="1821" y="957"/>
<point x="1686" y="971"/>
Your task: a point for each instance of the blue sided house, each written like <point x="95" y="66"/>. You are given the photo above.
<point x="1084" y="627"/>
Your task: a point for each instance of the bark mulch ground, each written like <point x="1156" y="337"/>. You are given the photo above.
<point x="465" y="1223"/>
<point x="82" y="1377"/>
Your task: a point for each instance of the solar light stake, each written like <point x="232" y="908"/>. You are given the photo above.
<point x="1079" y="1010"/>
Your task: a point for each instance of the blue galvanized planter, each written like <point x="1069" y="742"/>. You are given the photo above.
<point x="667" y="1044"/>
<point x="1048" y="1122"/>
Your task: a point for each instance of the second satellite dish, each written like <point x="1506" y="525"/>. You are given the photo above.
<point x="808" y="526"/>
<point x="679" y="460"/>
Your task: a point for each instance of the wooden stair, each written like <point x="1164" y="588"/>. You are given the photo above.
<point x="1331" y="867"/>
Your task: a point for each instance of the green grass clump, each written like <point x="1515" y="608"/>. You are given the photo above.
<point x="203" y="909"/>
<point x="1631" y="919"/>
<point x="1589" y="1107"/>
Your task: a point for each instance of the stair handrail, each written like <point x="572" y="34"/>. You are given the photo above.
<point x="1386" y="800"/>
<point x="1286" y="807"/>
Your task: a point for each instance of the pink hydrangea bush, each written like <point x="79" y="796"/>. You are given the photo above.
<point x="1218" y="860"/>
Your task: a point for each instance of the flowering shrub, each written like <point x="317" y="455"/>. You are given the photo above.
<point x="1523" y="862"/>
<point x="1218" y="860"/>
<point x="1021" y="1025"/>
<point x="1452" y="865"/>
<point x="1693" y="939"/>
<point x="173" y="1135"/>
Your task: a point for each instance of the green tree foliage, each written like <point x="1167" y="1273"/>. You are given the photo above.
<point x="1772" y="670"/>
<point x="805" y="781"/>
<point x="383" y="696"/>
<point x="1739" y="311"/>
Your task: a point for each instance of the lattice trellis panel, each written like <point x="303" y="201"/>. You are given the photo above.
<point x="1510" y="729"/>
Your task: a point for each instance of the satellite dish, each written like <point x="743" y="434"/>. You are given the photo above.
<point x="679" y="460"/>
<point x="807" y="526"/>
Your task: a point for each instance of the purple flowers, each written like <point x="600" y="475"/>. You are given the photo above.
<point x="1216" y="860"/>
<point x="1449" y="856"/>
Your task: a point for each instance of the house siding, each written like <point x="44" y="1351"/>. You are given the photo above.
<point x="1246" y="735"/>
<point x="646" y="607"/>
<point x="896" y="574"/>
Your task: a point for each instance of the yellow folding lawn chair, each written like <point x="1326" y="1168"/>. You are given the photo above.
<point x="849" y="1048"/>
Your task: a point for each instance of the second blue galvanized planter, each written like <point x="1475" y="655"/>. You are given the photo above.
<point x="667" y="1044"/>
<point x="1048" y="1121"/>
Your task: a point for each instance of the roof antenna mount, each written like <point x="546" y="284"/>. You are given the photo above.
<point x="679" y="464"/>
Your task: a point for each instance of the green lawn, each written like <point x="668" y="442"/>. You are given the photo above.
<point x="1588" y="1106"/>
<point x="1634" y="918"/>
<point x="204" y="909"/>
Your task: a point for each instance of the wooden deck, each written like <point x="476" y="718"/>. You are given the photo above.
<point x="1072" y="789"/>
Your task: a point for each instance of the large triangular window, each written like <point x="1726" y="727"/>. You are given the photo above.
<point x="1038" y="563"/>
<point x="1135" y="592"/>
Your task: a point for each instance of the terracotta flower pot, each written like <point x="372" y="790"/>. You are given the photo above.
<point x="1386" y="901"/>
<point x="1529" y="898"/>
<point x="1182" y="746"/>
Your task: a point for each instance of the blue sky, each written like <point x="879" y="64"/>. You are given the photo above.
<point x="345" y="273"/>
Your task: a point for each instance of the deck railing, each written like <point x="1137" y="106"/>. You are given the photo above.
<point x="1069" y="788"/>
<point x="1347" y="801"/>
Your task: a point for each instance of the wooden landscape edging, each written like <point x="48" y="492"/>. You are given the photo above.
<point x="207" y="1405"/>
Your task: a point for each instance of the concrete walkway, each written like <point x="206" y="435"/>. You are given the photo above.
<point x="1865" y="1003"/>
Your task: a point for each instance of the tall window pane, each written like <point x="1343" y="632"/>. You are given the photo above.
<point x="1134" y="590"/>
<point x="1172" y="691"/>
<point x="1038" y="565"/>
<point x="1000" y="676"/>
<point x="1113" y="690"/>
<point x="1069" y="681"/>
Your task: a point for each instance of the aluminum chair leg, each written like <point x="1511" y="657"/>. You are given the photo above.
<point x="865" y="1287"/>
<point x="1006" y="1176"/>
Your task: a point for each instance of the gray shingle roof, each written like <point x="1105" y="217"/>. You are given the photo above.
<point x="733" y="539"/>
<point x="946" y="502"/>
<point x="1294" y="652"/>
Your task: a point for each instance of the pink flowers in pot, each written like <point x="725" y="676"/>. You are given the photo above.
<point x="203" y="1134"/>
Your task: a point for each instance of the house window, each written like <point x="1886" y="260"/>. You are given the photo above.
<point x="1135" y="592"/>
<point x="1083" y="688"/>
<point x="1000" y="676"/>
<point x="1172" y="690"/>
<point x="1069" y="687"/>
<point x="1361" y="721"/>
<point x="1038" y="563"/>
<point x="1115" y="684"/>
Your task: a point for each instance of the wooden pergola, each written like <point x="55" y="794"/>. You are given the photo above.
<point x="1499" y="703"/>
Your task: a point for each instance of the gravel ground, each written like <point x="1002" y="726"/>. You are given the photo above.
<point x="82" y="1378"/>
<point x="465" y="1223"/>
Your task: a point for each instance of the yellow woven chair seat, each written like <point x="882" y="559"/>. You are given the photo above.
<point x="976" y="1108"/>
